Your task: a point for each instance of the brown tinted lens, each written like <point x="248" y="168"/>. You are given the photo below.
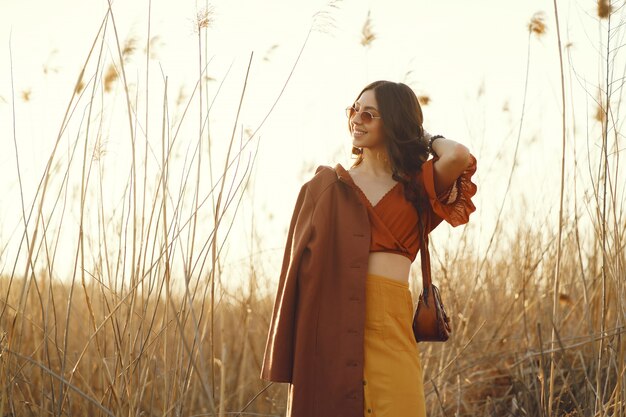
<point x="366" y="117"/>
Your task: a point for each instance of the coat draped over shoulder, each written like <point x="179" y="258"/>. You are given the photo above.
<point x="316" y="333"/>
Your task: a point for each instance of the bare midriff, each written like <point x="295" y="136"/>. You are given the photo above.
<point x="392" y="265"/>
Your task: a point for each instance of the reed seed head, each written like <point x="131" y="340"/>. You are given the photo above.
<point x="99" y="150"/>
<point x="600" y="114"/>
<point x="367" y="35"/>
<point x="604" y="9"/>
<point x="129" y="47"/>
<point x="324" y="20"/>
<point x="269" y="52"/>
<point x="423" y="100"/>
<point x="155" y="44"/>
<point x="205" y="17"/>
<point x="537" y="23"/>
<point x="181" y="96"/>
<point x="26" y="94"/>
<point x="110" y="77"/>
<point x="79" y="86"/>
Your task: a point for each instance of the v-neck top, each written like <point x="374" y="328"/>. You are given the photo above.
<point x="394" y="220"/>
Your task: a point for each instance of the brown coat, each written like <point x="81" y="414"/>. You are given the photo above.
<point x="315" y="339"/>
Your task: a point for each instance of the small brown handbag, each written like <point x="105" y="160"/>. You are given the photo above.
<point x="430" y="321"/>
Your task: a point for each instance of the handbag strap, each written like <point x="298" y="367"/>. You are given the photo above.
<point x="426" y="280"/>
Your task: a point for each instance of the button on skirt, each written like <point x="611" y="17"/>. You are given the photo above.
<point x="392" y="371"/>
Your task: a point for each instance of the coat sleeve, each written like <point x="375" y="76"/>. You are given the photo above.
<point x="279" y="349"/>
<point x="455" y="204"/>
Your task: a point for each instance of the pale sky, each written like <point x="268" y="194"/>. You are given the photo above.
<point x="454" y="49"/>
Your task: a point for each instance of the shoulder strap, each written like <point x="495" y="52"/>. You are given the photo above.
<point x="426" y="280"/>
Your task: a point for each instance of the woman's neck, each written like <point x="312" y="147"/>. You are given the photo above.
<point x="375" y="163"/>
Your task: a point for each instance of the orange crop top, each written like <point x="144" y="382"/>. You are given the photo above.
<point x="394" y="220"/>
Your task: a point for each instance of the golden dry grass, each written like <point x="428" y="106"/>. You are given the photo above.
<point x="128" y="352"/>
<point x="135" y="351"/>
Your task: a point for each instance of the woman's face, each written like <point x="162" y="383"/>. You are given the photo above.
<point x="366" y="134"/>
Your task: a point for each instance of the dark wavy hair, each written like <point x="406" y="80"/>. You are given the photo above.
<point x="406" y="146"/>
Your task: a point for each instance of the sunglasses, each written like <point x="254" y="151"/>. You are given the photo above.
<point x="365" y="115"/>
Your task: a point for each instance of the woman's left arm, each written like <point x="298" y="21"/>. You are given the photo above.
<point x="454" y="158"/>
<point x="447" y="181"/>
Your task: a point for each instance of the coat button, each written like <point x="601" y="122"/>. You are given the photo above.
<point x="364" y="382"/>
<point x="369" y="410"/>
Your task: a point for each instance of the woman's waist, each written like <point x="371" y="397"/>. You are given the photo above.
<point x="390" y="265"/>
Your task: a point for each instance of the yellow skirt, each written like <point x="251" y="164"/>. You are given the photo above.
<point x="392" y="371"/>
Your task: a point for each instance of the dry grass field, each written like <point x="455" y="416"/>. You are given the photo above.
<point x="143" y="326"/>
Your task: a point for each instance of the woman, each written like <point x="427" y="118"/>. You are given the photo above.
<point x="340" y="332"/>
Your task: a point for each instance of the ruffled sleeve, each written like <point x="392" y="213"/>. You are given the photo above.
<point x="455" y="204"/>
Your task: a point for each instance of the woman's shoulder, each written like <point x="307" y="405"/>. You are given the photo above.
<point x="323" y="177"/>
<point x="324" y="169"/>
